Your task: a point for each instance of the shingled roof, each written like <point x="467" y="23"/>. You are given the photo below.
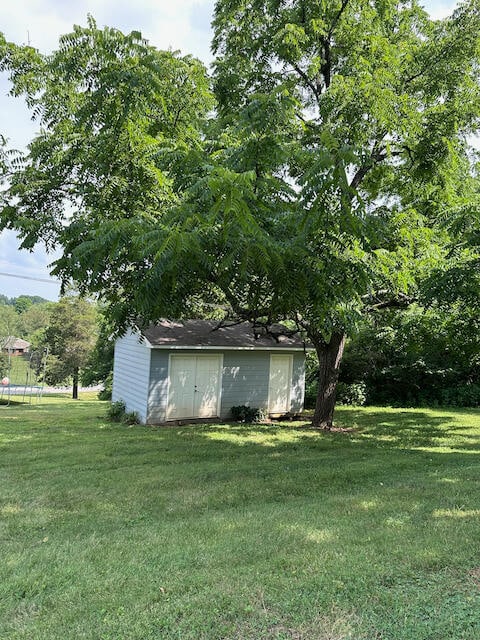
<point x="10" y="342"/>
<point x="210" y="333"/>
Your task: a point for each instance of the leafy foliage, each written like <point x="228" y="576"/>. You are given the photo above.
<point x="242" y="413"/>
<point x="317" y="190"/>
<point x="24" y="316"/>
<point x="95" y="180"/>
<point x="4" y="364"/>
<point x="99" y="366"/>
<point x="352" y="394"/>
<point x="34" y="320"/>
<point x="9" y="321"/>
<point x="421" y="357"/>
<point x="116" y="411"/>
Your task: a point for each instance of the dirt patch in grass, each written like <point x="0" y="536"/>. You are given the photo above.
<point x="337" y="626"/>
<point x="475" y="576"/>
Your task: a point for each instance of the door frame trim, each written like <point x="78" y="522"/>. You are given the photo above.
<point x="219" y="386"/>
<point x="290" y="377"/>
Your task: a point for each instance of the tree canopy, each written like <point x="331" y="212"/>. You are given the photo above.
<point x="323" y="185"/>
<point x="109" y="106"/>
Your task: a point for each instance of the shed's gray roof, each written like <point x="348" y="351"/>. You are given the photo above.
<point x="208" y="333"/>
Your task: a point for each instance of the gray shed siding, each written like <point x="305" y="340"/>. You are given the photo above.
<point x="131" y="374"/>
<point x="158" y="386"/>
<point x="245" y="379"/>
<point x="298" y="382"/>
<point x="246" y="376"/>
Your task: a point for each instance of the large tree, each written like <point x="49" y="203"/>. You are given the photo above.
<point x="352" y="118"/>
<point x="313" y="194"/>
<point x="70" y="338"/>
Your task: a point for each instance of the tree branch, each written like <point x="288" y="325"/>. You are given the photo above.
<point x="307" y="80"/>
<point x="377" y="155"/>
<point x="306" y="122"/>
<point x="337" y="18"/>
<point x="399" y="301"/>
<point x="326" y="68"/>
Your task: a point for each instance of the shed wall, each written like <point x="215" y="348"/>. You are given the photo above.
<point x="298" y="382"/>
<point x="131" y="374"/>
<point x="158" y="386"/>
<point x="245" y="378"/>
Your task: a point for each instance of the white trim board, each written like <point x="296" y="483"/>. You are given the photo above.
<point x="210" y="348"/>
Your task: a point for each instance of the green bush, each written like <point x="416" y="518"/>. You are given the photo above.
<point x="417" y="358"/>
<point x="354" y="394"/>
<point x="131" y="418"/>
<point x="116" y="411"/>
<point x="311" y="389"/>
<point x="465" y="395"/>
<point x="242" y="413"/>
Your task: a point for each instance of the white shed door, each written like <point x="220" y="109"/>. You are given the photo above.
<point x="194" y="387"/>
<point x="279" y="383"/>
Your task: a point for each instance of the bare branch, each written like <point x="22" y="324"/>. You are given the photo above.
<point x="306" y="122"/>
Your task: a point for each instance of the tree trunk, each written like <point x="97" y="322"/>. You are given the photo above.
<point x="75" y="384"/>
<point x="329" y="358"/>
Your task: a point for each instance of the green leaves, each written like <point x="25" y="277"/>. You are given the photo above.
<point x="324" y="172"/>
<point x="369" y="142"/>
<point x="113" y="111"/>
<point x="70" y="337"/>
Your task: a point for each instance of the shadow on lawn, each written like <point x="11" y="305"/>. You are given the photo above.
<point x="402" y="430"/>
<point x="411" y="430"/>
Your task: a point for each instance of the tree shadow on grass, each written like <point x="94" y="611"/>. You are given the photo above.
<point x="412" y="430"/>
<point x="402" y="430"/>
<point x="4" y="402"/>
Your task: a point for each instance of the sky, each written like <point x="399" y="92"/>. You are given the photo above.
<point x="178" y="24"/>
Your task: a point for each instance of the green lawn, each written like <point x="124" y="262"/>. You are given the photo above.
<point x="239" y="532"/>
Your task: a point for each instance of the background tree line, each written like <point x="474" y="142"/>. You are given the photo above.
<point x="70" y="340"/>
<point x="419" y="357"/>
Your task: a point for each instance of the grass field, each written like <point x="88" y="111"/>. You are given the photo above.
<point x="111" y="532"/>
<point x="20" y="373"/>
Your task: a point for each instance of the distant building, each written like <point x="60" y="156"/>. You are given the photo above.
<point x="15" y="346"/>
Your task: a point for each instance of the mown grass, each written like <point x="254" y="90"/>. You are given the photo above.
<point x="238" y="531"/>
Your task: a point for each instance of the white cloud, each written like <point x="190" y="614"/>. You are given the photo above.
<point x="17" y="268"/>
<point x="165" y="23"/>
<point x="439" y="9"/>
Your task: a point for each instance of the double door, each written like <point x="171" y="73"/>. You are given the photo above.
<point x="194" y="386"/>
